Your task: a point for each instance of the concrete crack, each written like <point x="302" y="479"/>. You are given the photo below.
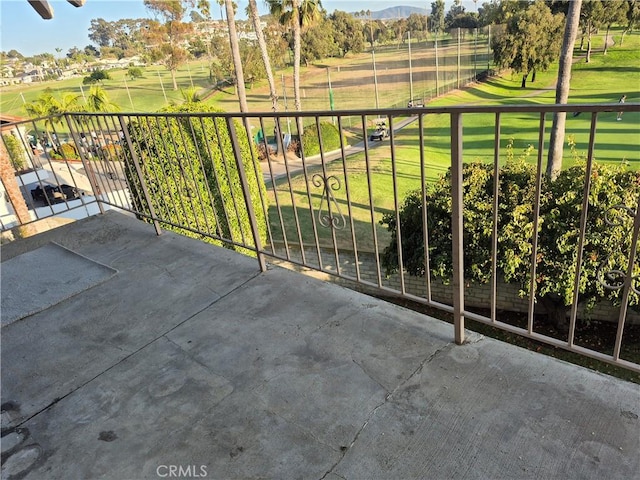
<point x="373" y="412"/>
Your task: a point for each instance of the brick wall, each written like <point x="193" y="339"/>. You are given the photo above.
<point x="476" y="295"/>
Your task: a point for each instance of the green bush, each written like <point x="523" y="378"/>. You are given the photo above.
<point x="111" y="152"/>
<point x="16" y="152"/>
<point x="135" y="72"/>
<point x="606" y="245"/>
<point x="174" y="152"/>
<point x="96" y="77"/>
<point x="68" y="150"/>
<point x="330" y="139"/>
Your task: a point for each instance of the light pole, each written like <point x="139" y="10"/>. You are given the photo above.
<point x="475" y="55"/>
<point x="284" y="96"/>
<point x="488" y="48"/>
<point x="458" y="72"/>
<point x="162" y="85"/>
<point x="373" y="59"/>
<point x="128" y="93"/>
<point x="375" y="78"/>
<point x="410" y="70"/>
<point x="331" y="104"/>
<point x="437" y="69"/>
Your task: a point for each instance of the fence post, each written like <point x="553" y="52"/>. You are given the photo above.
<point x="457" y="227"/>
<point x="245" y="191"/>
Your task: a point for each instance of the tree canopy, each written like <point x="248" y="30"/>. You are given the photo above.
<point x="166" y="39"/>
<point x="531" y="40"/>
<point x="347" y="34"/>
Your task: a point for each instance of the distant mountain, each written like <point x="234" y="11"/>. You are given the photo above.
<point x="393" y="13"/>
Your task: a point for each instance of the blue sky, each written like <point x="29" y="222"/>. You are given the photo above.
<point x="21" y="28"/>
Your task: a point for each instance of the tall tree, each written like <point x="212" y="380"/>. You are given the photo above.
<point x="633" y="17"/>
<point x="614" y="12"/>
<point x="296" y="14"/>
<point x="530" y="42"/>
<point x="417" y="25"/>
<point x="167" y="37"/>
<point x="346" y="33"/>
<point x="264" y="52"/>
<point x="591" y="15"/>
<point x="235" y="53"/>
<point x="101" y="32"/>
<point x="556" y="142"/>
<point x="437" y="16"/>
<point x="318" y="42"/>
<point x="98" y="101"/>
<point x="47" y="105"/>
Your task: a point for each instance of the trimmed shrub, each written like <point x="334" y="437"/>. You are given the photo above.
<point x="16" y="152"/>
<point x="311" y="143"/>
<point x="190" y="172"/>
<point x="111" y="152"/>
<point x="66" y="150"/>
<point x="606" y="245"/>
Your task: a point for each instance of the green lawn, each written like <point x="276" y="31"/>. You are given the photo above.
<point x="604" y="79"/>
<point x="615" y="142"/>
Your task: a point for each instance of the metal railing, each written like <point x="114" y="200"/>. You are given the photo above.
<point x="277" y="198"/>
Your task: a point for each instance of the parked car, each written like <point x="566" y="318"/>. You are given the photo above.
<point x="415" y="104"/>
<point x="381" y="132"/>
<point x="54" y="193"/>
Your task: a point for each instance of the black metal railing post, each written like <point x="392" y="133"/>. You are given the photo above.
<point x="143" y="184"/>
<point x="457" y="226"/>
<point x="245" y="191"/>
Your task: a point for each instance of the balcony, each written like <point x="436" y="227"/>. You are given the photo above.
<point x="130" y="351"/>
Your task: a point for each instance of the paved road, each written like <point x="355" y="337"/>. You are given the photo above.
<point x="279" y="168"/>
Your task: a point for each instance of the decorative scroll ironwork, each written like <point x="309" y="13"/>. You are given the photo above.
<point x="332" y="217"/>
<point x="614" y="278"/>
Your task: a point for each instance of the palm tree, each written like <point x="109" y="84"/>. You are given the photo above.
<point x="235" y="53"/>
<point x="98" y="101"/>
<point x="46" y="105"/>
<point x="556" y="141"/>
<point x="255" y="20"/>
<point x="190" y="95"/>
<point x="297" y="14"/>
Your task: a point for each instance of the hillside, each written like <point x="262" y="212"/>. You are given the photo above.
<point x="392" y="13"/>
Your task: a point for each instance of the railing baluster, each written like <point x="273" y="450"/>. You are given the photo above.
<point x="396" y="204"/>
<point x="536" y="225"/>
<point x="628" y="283"/>
<point x="235" y="145"/>
<point x="354" y="242"/>
<point x="371" y="202"/>
<point x="583" y="232"/>
<point x="312" y="216"/>
<point x="423" y="191"/>
<point x="141" y="179"/>
<point x="496" y="203"/>
<point x="457" y="227"/>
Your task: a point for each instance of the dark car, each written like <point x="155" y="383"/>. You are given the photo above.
<point x="54" y="193"/>
<point x="381" y="132"/>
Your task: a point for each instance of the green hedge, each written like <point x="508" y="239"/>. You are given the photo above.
<point x="16" y="152"/>
<point x="67" y="150"/>
<point x="330" y="139"/>
<point x="176" y="155"/>
<point x="606" y="245"/>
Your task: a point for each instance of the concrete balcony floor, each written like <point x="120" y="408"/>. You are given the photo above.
<point x="185" y="359"/>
